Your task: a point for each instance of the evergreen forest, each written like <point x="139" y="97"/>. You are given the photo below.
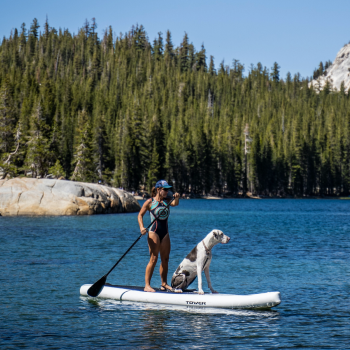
<point x="129" y="111"/>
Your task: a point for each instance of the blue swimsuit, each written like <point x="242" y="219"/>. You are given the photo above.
<point x="160" y="226"/>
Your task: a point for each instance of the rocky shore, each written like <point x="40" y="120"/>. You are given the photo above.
<point x="39" y="197"/>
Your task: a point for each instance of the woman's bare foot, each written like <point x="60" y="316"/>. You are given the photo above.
<point x="166" y="287"/>
<point x="148" y="289"/>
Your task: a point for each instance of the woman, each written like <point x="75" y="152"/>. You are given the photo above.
<point x="158" y="235"/>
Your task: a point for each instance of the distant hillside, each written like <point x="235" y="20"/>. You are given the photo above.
<point x="130" y="110"/>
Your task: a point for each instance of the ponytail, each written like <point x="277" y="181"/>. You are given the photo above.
<point x="153" y="192"/>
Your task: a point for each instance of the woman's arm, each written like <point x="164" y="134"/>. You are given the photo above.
<point x="142" y="212"/>
<point x="176" y="201"/>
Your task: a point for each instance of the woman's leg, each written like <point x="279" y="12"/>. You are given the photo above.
<point x="153" y="244"/>
<point x="164" y="256"/>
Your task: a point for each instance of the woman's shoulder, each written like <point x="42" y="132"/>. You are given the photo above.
<point x="153" y="202"/>
<point x="148" y="202"/>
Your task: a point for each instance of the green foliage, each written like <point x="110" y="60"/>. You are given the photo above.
<point x="124" y="110"/>
<point x="153" y="170"/>
<point x="275" y="74"/>
<point x="7" y="117"/>
<point x="83" y="157"/>
<point x="57" y="170"/>
<point x="38" y="156"/>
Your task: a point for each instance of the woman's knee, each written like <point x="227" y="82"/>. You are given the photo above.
<point x="165" y="259"/>
<point x="153" y="259"/>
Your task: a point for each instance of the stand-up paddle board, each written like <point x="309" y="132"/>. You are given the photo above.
<point x="227" y="301"/>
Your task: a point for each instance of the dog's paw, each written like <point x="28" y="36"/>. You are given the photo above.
<point x="178" y="290"/>
<point x="200" y="292"/>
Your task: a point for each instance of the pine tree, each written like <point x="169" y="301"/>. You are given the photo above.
<point x="320" y="69"/>
<point x="38" y="157"/>
<point x="83" y="159"/>
<point x="135" y="145"/>
<point x="8" y="162"/>
<point x="153" y="170"/>
<point x="201" y="59"/>
<point x="57" y="170"/>
<point x="100" y="146"/>
<point x="275" y="74"/>
<point x="212" y="70"/>
<point x="7" y="117"/>
<point x="169" y="48"/>
<point x="184" y="54"/>
<point x="158" y="47"/>
<point x="33" y="36"/>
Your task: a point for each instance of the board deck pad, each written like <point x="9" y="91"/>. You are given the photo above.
<point x="158" y="290"/>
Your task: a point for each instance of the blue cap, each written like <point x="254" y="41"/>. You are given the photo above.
<point x="163" y="184"/>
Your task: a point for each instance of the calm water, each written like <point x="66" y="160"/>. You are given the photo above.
<point x="298" y="247"/>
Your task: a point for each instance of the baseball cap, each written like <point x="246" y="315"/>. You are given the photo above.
<point x="163" y="184"/>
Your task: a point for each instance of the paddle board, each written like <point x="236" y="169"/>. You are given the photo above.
<point x="188" y="298"/>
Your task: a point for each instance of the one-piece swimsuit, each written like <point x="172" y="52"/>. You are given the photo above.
<point x="160" y="226"/>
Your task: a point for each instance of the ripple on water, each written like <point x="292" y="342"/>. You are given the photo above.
<point x="298" y="247"/>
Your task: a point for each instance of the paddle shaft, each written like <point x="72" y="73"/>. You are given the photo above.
<point x="160" y="213"/>
<point x="123" y="256"/>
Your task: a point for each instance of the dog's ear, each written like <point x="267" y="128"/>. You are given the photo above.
<point x="215" y="233"/>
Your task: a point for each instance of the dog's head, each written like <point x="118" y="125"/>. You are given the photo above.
<point x="219" y="236"/>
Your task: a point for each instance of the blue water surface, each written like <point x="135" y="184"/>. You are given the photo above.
<point x="298" y="247"/>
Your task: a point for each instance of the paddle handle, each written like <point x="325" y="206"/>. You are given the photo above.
<point x="160" y="213"/>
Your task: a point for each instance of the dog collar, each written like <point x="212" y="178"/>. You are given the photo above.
<point x="206" y="249"/>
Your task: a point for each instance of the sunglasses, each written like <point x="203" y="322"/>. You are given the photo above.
<point x="165" y="189"/>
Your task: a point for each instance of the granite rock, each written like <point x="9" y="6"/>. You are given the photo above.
<point x="336" y="73"/>
<point x="36" y="197"/>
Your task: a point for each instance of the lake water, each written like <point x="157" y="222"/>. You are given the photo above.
<point x="298" y="247"/>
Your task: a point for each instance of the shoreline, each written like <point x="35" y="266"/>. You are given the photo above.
<point x="254" y="198"/>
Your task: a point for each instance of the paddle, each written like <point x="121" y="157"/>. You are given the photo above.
<point x="97" y="287"/>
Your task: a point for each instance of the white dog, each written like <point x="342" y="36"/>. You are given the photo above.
<point x="196" y="261"/>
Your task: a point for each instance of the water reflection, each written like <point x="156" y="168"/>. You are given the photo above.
<point x="110" y="304"/>
<point x="160" y="326"/>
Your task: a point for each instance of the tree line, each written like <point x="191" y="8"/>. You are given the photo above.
<point x="128" y="111"/>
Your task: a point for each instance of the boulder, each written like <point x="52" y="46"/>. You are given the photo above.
<point x="28" y="196"/>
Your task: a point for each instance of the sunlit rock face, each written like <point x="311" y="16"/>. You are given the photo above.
<point x="36" y="197"/>
<point x="336" y="73"/>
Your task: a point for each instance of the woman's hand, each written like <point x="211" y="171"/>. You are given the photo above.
<point x="143" y="231"/>
<point x="176" y="201"/>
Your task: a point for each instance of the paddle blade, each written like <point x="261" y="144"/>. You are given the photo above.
<point x="97" y="287"/>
